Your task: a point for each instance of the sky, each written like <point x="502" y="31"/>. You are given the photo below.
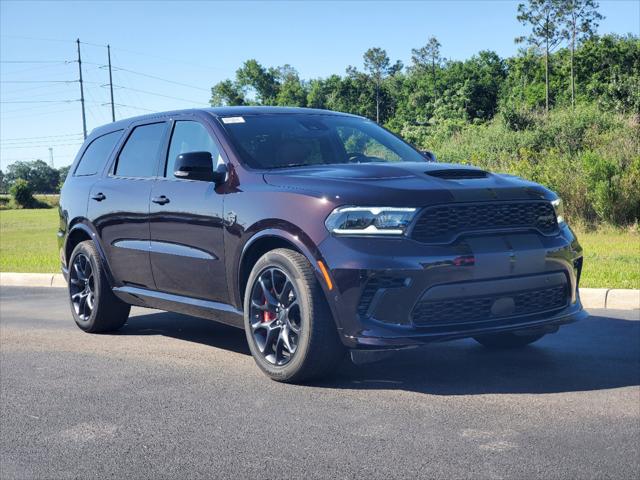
<point x="167" y="55"/>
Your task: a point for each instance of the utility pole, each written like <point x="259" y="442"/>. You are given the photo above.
<point x="113" y="109"/>
<point x="84" y="119"/>
<point x="51" y="156"/>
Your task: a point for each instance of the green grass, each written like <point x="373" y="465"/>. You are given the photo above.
<point x="611" y="258"/>
<point x="28" y="241"/>
<point x="28" y="244"/>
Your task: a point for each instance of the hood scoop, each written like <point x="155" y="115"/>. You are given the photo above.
<point x="457" y="174"/>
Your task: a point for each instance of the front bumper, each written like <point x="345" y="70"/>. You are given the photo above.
<point x="393" y="293"/>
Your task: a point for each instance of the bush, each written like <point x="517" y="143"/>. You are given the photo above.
<point x="22" y="194"/>
<point x="589" y="156"/>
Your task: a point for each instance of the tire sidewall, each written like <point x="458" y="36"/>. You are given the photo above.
<point x="283" y="372"/>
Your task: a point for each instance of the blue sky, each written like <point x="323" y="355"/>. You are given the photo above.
<point x="196" y="44"/>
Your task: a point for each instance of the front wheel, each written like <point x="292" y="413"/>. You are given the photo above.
<point x="289" y="327"/>
<point x="506" y="340"/>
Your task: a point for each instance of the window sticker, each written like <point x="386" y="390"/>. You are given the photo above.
<point x="232" y="120"/>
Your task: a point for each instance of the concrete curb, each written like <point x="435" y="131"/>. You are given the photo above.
<point x="620" y="299"/>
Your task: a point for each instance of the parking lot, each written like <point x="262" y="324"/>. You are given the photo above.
<point x="171" y="396"/>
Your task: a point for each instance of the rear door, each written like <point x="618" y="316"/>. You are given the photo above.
<point x="119" y="205"/>
<point x="187" y="251"/>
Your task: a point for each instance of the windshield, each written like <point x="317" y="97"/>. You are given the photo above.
<point x="292" y="140"/>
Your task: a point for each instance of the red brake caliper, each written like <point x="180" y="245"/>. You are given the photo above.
<point x="266" y="315"/>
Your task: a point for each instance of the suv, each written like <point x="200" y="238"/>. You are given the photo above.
<point x="316" y="232"/>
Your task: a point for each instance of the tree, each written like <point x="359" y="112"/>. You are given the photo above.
<point x="427" y="55"/>
<point x="226" y="92"/>
<point x="41" y="177"/>
<point x="544" y="17"/>
<point x="377" y="63"/>
<point x="3" y="184"/>
<point x="263" y="81"/>
<point x="580" y="21"/>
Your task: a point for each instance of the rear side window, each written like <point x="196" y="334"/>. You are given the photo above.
<point x="139" y="156"/>
<point x="97" y="153"/>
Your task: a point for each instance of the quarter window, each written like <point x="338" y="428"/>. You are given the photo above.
<point x="97" y="153"/>
<point x="189" y="136"/>
<point x="139" y="156"/>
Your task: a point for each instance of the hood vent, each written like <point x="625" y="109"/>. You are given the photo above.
<point x="457" y="174"/>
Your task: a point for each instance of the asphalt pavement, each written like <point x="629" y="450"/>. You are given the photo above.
<point x="171" y="396"/>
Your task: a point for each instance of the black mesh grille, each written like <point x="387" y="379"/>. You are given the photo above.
<point x="477" y="309"/>
<point x="372" y="286"/>
<point x="443" y="223"/>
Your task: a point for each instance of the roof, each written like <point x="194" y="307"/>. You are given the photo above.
<point x="218" y="112"/>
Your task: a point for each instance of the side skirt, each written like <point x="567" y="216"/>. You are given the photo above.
<point x="219" y="312"/>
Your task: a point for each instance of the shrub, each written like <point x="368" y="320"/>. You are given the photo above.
<point x="22" y="193"/>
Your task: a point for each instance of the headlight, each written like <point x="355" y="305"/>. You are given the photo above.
<point x="369" y="220"/>
<point x="559" y="208"/>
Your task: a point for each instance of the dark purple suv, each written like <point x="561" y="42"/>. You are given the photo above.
<point x="316" y="232"/>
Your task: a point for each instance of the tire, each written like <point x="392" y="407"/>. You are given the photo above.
<point x="507" y="340"/>
<point x="318" y="348"/>
<point x="100" y="311"/>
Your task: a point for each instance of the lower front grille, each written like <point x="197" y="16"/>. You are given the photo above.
<point x="485" y="308"/>
<point x="373" y="286"/>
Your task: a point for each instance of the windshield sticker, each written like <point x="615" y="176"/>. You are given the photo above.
<point x="232" y="120"/>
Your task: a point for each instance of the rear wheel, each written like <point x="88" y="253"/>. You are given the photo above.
<point x="289" y="327"/>
<point x="499" y="341"/>
<point x="94" y="307"/>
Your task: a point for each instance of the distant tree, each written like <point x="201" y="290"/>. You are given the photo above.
<point x="377" y="64"/>
<point x="38" y="174"/>
<point x="580" y="20"/>
<point x="263" y="81"/>
<point x="291" y="90"/>
<point x="62" y="174"/>
<point x="226" y="92"/>
<point x="545" y="19"/>
<point x="429" y="55"/>
<point x="3" y="184"/>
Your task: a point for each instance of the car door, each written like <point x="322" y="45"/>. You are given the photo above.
<point x="187" y="251"/>
<point x="119" y="205"/>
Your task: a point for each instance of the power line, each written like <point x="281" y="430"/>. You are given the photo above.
<point x="161" y="79"/>
<point x="158" y="94"/>
<point x="38" y="81"/>
<point x="35" y="146"/>
<point x="37" y="61"/>
<point x="45" y="136"/>
<point x="39" y="101"/>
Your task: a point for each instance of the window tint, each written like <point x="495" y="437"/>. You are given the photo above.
<point x="139" y="156"/>
<point x="96" y="154"/>
<point x="190" y="136"/>
<point x="285" y="140"/>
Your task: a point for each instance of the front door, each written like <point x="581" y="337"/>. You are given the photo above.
<point x="119" y="206"/>
<point x="187" y="251"/>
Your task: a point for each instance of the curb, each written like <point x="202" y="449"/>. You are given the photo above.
<point x="613" y="298"/>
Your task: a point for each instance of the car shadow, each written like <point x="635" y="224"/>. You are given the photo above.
<point x="594" y="354"/>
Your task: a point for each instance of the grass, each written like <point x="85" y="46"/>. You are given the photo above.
<point x="28" y="244"/>
<point x="28" y="241"/>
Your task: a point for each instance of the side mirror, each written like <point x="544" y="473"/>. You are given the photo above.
<point x="430" y="156"/>
<point x="199" y="166"/>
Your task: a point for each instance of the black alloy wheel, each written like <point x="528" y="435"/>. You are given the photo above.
<point x="275" y="316"/>
<point x="82" y="287"/>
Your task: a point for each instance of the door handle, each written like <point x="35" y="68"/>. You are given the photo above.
<point x="161" y="200"/>
<point x="99" y="197"/>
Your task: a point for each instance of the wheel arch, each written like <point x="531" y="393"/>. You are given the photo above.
<point x="80" y="231"/>
<point x="270" y="239"/>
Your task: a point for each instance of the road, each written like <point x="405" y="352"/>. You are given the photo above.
<point x="171" y="396"/>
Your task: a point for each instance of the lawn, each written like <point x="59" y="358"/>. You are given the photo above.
<point x="28" y="244"/>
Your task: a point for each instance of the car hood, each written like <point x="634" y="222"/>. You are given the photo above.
<point x="405" y="183"/>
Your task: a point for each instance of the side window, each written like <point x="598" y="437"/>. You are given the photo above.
<point x="189" y="136"/>
<point x="139" y="156"/>
<point x="97" y="153"/>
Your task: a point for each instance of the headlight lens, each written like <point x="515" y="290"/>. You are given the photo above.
<point x="370" y="220"/>
<point x="559" y="208"/>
